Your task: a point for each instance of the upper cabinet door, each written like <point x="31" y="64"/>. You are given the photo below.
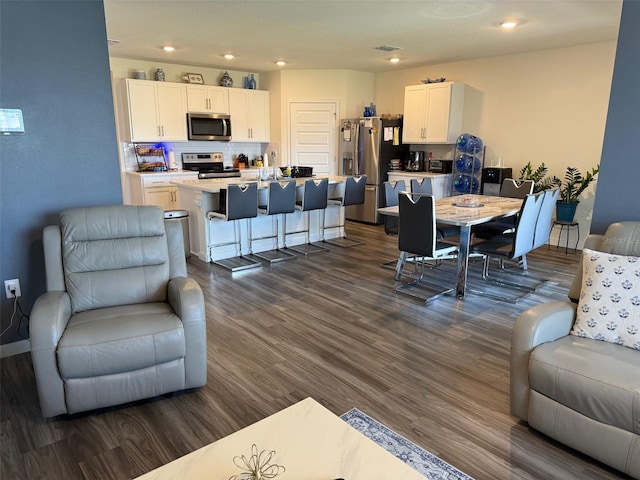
<point x="433" y="113"/>
<point x="415" y="104"/>
<point x="207" y="99"/>
<point x="437" y="113"/>
<point x="218" y="99"/>
<point x="259" y="115"/>
<point x="143" y="116"/>
<point x="153" y="111"/>
<point x="238" y="109"/>
<point x="249" y="110"/>
<point x="172" y="114"/>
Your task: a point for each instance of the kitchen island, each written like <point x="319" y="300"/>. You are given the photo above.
<point x="199" y="197"/>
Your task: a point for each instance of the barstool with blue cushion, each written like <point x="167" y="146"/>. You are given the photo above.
<point x="314" y="197"/>
<point x="281" y="200"/>
<point x="237" y="202"/>
<point x="353" y="195"/>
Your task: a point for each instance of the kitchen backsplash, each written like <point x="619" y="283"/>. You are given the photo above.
<point x="228" y="149"/>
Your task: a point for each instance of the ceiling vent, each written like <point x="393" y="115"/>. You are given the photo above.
<point x="388" y="48"/>
<point x="111" y="41"/>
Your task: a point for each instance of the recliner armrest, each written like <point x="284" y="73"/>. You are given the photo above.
<point x="187" y="301"/>
<point x="48" y="319"/>
<point x="540" y="324"/>
<point x="47" y="322"/>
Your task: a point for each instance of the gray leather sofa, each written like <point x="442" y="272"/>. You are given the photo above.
<point x="120" y="320"/>
<point x="582" y="392"/>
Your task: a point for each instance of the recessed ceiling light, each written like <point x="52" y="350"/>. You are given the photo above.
<point x="168" y="48"/>
<point x="394" y="59"/>
<point x="509" y="24"/>
<point x="280" y="63"/>
<point x="228" y="56"/>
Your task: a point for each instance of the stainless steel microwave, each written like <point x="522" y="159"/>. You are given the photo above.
<point x="209" y="126"/>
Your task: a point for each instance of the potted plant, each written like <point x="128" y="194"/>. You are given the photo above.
<point x="540" y="181"/>
<point x="570" y="189"/>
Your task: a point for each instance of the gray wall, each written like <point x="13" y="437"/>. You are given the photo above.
<point x="617" y="196"/>
<point x="54" y="66"/>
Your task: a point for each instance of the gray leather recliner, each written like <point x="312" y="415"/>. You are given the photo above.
<point x="120" y="320"/>
<point x="582" y="392"/>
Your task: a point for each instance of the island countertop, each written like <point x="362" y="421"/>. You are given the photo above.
<point x="214" y="185"/>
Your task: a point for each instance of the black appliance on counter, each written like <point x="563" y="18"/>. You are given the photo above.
<point x="208" y="165"/>
<point x="440" y="166"/>
<point x="492" y="178"/>
<point x="415" y="162"/>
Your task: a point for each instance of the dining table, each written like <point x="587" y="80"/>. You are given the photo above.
<point x="463" y="211"/>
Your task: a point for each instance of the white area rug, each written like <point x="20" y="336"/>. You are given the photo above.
<point x="421" y="460"/>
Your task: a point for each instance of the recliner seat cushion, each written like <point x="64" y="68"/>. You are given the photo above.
<point x="120" y="339"/>
<point x="114" y="255"/>
<point x="597" y="379"/>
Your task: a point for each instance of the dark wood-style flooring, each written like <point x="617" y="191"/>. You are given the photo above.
<point x="330" y="327"/>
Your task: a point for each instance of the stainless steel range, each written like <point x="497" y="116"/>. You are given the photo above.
<point x="208" y="165"/>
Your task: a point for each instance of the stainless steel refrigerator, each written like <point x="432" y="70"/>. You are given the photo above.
<point x="367" y="146"/>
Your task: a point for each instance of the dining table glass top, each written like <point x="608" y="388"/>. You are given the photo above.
<point x="468" y="210"/>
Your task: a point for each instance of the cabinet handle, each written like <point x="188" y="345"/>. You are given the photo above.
<point x="162" y="127"/>
<point x="159" y="134"/>
<point x="208" y="104"/>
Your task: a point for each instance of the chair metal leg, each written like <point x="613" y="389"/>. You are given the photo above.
<point x="416" y="288"/>
<point x="277" y="255"/>
<point x="345" y="241"/>
<point x="308" y="248"/>
<point x="239" y="262"/>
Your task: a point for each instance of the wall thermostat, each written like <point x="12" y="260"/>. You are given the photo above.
<point x="11" y="122"/>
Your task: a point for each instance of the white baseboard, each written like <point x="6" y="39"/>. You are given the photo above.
<point x="14" y="348"/>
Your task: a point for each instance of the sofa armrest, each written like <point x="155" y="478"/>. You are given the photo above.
<point x="187" y="301"/>
<point x="540" y="324"/>
<point x="47" y="322"/>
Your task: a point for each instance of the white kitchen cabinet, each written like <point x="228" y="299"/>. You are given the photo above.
<point x="153" y="111"/>
<point x="249" y="110"/>
<point x="156" y="188"/>
<point x="433" y="113"/>
<point x="207" y="99"/>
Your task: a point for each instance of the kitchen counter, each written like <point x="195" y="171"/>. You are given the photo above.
<point x="168" y="173"/>
<point x="214" y="185"/>
<point x="199" y="197"/>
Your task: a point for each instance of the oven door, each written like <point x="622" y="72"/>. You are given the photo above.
<point x="203" y="126"/>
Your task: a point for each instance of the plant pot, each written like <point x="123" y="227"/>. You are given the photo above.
<point x="565" y="211"/>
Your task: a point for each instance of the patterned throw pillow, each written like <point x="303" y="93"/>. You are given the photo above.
<point x="609" y="305"/>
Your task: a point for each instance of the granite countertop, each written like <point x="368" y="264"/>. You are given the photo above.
<point x="214" y="185"/>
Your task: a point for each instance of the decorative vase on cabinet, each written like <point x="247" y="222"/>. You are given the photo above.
<point x="252" y="82"/>
<point x="226" y="80"/>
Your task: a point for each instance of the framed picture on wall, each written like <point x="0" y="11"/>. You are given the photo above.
<point x="195" y="78"/>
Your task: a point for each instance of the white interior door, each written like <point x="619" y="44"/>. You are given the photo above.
<point x="312" y="135"/>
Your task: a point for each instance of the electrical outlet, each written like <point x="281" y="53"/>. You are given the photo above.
<point x="12" y="286"/>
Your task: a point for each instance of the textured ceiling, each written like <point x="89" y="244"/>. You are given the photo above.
<point x="343" y="34"/>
